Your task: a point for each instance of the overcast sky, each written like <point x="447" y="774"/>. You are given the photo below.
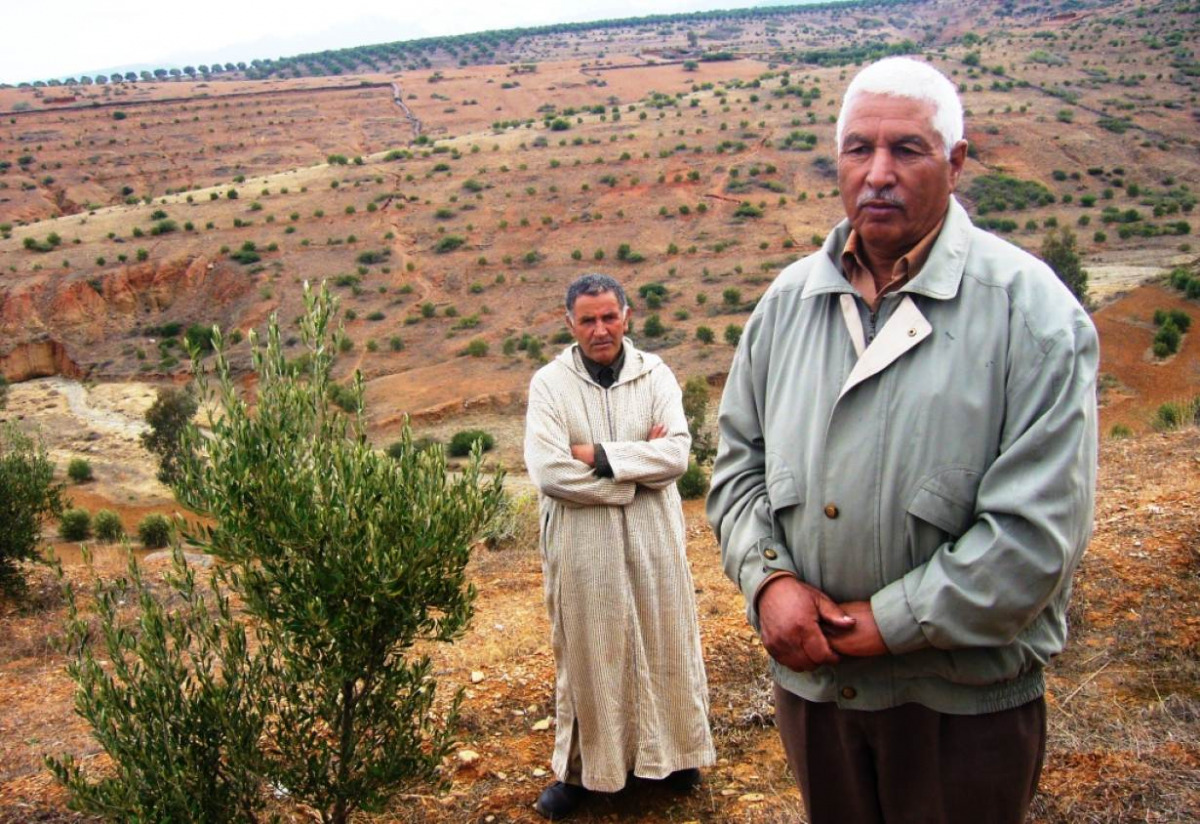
<point x="48" y="39"/>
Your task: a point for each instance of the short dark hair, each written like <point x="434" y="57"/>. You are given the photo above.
<point x="594" y="284"/>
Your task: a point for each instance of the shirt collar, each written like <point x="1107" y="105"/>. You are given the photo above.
<point x="593" y="368"/>
<point x="856" y="271"/>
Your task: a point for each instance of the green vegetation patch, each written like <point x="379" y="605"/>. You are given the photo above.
<point x="998" y="192"/>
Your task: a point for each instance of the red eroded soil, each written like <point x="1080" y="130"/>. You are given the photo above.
<point x="1143" y="382"/>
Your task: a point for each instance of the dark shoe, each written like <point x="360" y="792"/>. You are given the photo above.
<point x="559" y="800"/>
<point x="683" y="780"/>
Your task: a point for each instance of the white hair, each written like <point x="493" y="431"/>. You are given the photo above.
<point x="912" y="79"/>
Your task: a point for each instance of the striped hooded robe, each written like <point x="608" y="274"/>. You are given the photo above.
<point x="631" y="693"/>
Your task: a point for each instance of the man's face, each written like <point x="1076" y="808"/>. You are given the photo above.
<point x="893" y="173"/>
<point x="599" y="324"/>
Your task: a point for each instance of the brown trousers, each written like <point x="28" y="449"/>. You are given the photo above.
<point x="910" y="764"/>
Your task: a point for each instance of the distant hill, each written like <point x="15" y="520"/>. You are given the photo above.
<point x="451" y="187"/>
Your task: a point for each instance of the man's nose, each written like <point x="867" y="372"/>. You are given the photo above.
<point x="882" y="171"/>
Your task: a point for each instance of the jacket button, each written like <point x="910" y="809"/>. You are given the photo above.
<point x="912" y="333"/>
<point x="770" y="554"/>
<point x="849" y="693"/>
<point x="831" y="511"/>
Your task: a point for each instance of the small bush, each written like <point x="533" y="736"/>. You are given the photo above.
<point x="1169" y="336"/>
<point x="1120" y="430"/>
<point x="107" y="526"/>
<point x="344" y="396"/>
<point x="461" y="442"/>
<point x="448" y="243"/>
<point x="154" y="531"/>
<point x="693" y="483"/>
<point x="75" y="525"/>
<point x="514" y="525"/>
<point x="79" y="470"/>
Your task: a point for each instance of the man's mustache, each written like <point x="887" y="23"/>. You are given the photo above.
<point x="879" y="196"/>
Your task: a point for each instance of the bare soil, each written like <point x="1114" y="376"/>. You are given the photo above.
<point x="1124" y="704"/>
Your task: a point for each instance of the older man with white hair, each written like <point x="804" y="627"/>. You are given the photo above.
<point x="905" y="480"/>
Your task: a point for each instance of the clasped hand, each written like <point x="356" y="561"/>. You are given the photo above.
<point x="803" y="628"/>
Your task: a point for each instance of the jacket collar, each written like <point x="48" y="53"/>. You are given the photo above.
<point x="939" y="278"/>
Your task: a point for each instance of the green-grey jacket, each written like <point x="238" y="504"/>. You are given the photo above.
<point x="943" y="469"/>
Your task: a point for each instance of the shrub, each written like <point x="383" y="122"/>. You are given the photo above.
<point x="1169" y="337"/>
<point x="448" y="243"/>
<point x="154" y="531"/>
<point x="656" y="289"/>
<point x="477" y="348"/>
<point x="199" y="337"/>
<point x="733" y="334"/>
<point x="343" y="396"/>
<point x="1170" y="415"/>
<point x="1180" y="277"/>
<point x="331" y="703"/>
<point x="189" y="759"/>
<point x="514" y="525"/>
<point x="107" y="526"/>
<point x="167" y="416"/>
<point x="79" y="470"/>
<point x="462" y="442"/>
<point x="695" y="409"/>
<point x="374" y="256"/>
<point x="28" y="493"/>
<point x="997" y="192"/>
<point x="653" y="327"/>
<point x="1120" y="430"/>
<point x="1058" y="251"/>
<point x="75" y="525"/>
<point x="1181" y="319"/>
<point x="693" y="483"/>
<point x="705" y="335"/>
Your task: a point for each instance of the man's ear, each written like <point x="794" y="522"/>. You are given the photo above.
<point x="570" y="321"/>
<point x="958" y="159"/>
<point x="628" y="318"/>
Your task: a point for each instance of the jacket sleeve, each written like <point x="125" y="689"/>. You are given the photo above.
<point x="739" y="508"/>
<point x="548" y="459"/>
<point x="658" y="463"/>
<point x="1033" y="514"/>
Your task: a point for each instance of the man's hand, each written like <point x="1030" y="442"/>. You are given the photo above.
<point x="585" y="452"/>
<point x="862" y="639"/>
<point x="792" y="618"/>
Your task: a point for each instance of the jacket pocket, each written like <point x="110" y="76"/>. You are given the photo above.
<point x="782" y="489"/>
<point x="942" y="509"/>
<point x="783" y="492"/>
